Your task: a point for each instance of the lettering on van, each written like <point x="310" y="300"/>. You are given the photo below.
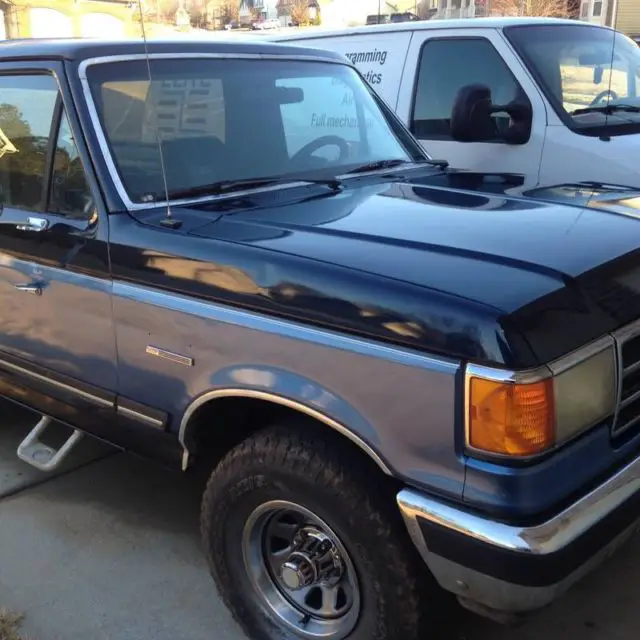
<point x="371" y="57"/>
<point x="337" y="122"/>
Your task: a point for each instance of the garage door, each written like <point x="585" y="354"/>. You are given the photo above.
<point x="48" y="23"/>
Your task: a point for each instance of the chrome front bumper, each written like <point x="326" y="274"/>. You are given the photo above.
<point x="507" y="568"/>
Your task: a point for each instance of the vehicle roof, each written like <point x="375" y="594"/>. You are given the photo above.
<point x="78" y="49"/>
<point x="424" y="25"/>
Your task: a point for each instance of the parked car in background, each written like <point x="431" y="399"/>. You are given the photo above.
<point x="398" y="379"/>
<point x="553" y="100"/>
<point x="266" y="25"/>
<point x="406" y="16"/>
<point x="382" y="18"/>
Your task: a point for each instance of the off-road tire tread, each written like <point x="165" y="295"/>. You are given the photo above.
<point x="408" y="591"/>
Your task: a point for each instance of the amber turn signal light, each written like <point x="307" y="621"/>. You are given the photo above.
<point x="510" y="418"/>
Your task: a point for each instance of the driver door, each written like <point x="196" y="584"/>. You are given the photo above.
<point x="56" y="332"/>
<point x="449" y="59"/>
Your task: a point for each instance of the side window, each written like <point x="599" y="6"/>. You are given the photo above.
<point x="27" y="105"/>
<point x="445" y="67"/>
<point x="70" y="192"/>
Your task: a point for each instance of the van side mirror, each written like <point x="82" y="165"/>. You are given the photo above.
<point x="472" y="117"/>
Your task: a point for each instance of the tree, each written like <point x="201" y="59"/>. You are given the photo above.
<point x="198" y="13"/>
<point x="166" y="10"/>
<point x="538" y="8"/>
<point x="299" y="11"/>
<point x="229" y="11"/>
<point x="254" y="10"/>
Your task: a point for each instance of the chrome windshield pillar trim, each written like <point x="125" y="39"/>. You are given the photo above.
<point x="546" y="538"/>
<point x="276" y="399"/>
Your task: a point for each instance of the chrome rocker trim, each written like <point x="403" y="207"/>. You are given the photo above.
<point x="540" y="540"/>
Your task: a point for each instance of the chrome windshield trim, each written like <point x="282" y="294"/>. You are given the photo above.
<point x="543" y="539"/>
<point x="102" y="139"/>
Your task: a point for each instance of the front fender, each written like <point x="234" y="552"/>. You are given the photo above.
<point x="292" y="390"/>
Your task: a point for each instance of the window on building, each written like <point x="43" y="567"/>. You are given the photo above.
<point x="597" y="9"/>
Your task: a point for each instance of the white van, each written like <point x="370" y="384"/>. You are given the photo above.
<point x="557" y="101"/>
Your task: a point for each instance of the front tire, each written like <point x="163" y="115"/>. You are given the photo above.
<point x="304" y="541"/>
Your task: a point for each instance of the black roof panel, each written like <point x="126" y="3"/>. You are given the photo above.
<point x="78" y="49"/>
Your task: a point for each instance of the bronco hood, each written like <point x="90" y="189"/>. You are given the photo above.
<point x="563" y="275"/>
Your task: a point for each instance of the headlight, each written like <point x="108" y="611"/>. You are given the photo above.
<point x="522" y="414"/>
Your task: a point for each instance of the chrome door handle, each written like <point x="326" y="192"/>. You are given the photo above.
<point x="33" y="224"/>
<point x="33" y="289"/>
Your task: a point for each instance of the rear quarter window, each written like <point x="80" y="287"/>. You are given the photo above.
<point x="379" y="59"/>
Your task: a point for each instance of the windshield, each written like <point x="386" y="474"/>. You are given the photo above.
<point x="583" y="68"/>
<point x="227" y="120"/>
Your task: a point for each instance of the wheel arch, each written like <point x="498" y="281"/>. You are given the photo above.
<point x="273" y="403"/>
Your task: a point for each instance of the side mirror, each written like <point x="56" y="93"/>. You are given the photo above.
<point x="472" y="117"/>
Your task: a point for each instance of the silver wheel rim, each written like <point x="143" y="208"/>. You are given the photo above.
<point x="301" y="571"/>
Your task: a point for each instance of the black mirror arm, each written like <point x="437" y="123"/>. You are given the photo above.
<point x="517" y="110"/>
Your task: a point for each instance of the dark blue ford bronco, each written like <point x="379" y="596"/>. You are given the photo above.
<point x="403" y="381"/>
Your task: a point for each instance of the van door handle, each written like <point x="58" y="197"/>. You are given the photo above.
<point x="33" y="224"/>
<point x="33" y="289"/>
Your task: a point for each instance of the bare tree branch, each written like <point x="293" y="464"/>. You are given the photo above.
<point x="541" y="8"/>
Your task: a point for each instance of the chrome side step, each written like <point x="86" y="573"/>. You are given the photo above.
<point x="41" y="455"/>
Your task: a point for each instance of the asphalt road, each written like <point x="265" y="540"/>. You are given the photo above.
<point x="109" y="549"/>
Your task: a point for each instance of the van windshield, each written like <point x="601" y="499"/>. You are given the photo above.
<point x="590" y="75"/>
<point x="238" y="120"/>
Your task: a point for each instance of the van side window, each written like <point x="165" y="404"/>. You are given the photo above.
<point x="447" y="65"/>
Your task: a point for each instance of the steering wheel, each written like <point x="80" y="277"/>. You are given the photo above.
<point x="325" y="141"/>
<point x="604" y="94"/>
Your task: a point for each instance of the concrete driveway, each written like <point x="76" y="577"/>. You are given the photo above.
<point x="109" y="549"/>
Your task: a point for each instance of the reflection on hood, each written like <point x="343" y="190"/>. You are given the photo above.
<point x="613" y="198"/>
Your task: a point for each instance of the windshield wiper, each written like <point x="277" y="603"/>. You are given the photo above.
<point x="608" y="109"/>
<point x="223" y="187"/>
<point x="391" y="164"/>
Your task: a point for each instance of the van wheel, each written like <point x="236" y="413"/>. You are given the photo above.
<point x="304" y="541"/>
